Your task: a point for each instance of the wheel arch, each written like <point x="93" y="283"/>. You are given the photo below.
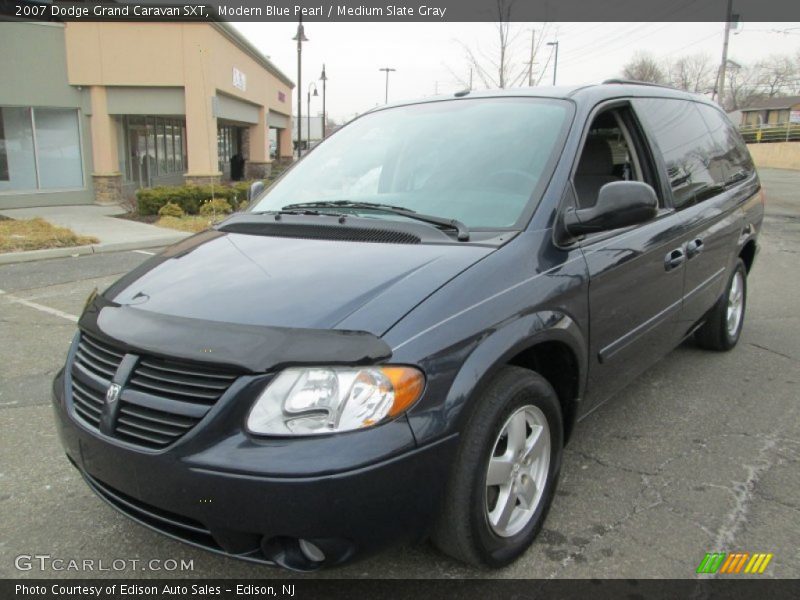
<point x="748" y="254"/>
<point x="550" y="343"/>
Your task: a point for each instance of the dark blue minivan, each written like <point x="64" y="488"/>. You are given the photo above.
<point x="396" y="339"/>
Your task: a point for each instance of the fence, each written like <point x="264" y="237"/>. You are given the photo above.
<point x="758" y="134"/>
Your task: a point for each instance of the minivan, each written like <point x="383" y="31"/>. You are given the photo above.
<point x="396" y="338"/>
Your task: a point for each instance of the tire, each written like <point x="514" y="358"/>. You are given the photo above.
<point x="719" y="332"/>
<point x="465" y="530"/>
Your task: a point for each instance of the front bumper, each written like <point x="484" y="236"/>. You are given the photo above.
<point x="222" y="491"/>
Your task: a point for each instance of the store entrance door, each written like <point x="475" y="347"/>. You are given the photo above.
<point x="141" y="151"/>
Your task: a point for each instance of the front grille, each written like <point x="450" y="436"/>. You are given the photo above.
<point x="161" y="399"/>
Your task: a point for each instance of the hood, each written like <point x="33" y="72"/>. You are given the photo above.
<point x="286" y="282"/>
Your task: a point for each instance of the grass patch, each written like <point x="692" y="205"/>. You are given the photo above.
<point x="192" y="223"/>
<point x="37" y="234"/>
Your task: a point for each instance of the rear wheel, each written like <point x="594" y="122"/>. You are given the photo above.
<point x="506" y="471"/>
<point x="722" y="329"/>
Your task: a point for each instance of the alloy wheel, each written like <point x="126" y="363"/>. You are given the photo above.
<point x="517" y="471"/>
<point x="735" y="304"/>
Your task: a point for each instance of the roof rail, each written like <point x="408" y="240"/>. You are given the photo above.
<point x="635" y="82"/>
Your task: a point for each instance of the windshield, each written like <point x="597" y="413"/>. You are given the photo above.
<point x="479" y="161"/>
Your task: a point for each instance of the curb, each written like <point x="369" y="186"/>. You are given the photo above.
<point x="32" y="255"/>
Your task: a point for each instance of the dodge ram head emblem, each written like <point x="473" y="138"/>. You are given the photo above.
<point x="112" y="394"/>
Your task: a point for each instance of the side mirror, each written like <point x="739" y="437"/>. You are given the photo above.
<point x="619" y="204"/>
<point x="255" y="190"/>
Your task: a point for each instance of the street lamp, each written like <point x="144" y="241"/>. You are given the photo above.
<point x="555" y="64"/>
<point x="387" y="70"/>
<point x="299" y="37"/>
<point x="323" y="78"/>
<point x="308" y="106"/>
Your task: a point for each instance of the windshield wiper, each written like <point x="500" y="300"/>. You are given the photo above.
<point x="462" y="232"/>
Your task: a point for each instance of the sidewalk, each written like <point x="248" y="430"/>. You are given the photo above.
<point x="97" y="221"/>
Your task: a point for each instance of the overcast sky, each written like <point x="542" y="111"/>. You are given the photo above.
<point x="426" y="55"/>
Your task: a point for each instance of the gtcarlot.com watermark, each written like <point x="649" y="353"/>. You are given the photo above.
<point x="47" y="562"/>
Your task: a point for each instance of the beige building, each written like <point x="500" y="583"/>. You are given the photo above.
<point x="780" y="110"/>
<point x="93" y="111"/>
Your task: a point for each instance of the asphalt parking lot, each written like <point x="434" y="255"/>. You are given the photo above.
<point x="699" y="454"/>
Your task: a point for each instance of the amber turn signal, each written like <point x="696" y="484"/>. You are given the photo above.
<point x="408" y="384"/>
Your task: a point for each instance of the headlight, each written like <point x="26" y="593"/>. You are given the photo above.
<point x="319" y="400"/>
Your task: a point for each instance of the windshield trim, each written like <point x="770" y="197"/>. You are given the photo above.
<point x="538" y="192"/>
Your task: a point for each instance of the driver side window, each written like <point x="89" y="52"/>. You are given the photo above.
<point x="608" y="154"/>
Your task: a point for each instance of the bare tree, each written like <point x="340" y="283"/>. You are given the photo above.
<point x="693" y="73"/>
<point x="644" y="67"/>
<point x="779" y="75"/>
<point x="506" y="62"/>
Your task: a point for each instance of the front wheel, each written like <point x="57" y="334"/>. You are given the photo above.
<point x="722" y="329"/>
<point x="505" y="473"/>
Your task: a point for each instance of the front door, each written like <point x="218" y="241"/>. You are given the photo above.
<point x="635" y="274"/>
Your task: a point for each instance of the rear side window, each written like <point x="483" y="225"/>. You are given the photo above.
<point x="733" y="154"/>
<point x="691" y="155"/>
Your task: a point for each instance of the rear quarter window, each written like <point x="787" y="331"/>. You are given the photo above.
<point x="733" y="154"/>
<point x="693" y="159"/>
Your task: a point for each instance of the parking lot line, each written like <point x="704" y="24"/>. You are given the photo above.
<point x="144" y="252"/>
<point x="40" y="307"/>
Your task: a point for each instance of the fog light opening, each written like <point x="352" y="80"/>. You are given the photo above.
<point x="311" y="551"/>
<point x="293" y="553"/>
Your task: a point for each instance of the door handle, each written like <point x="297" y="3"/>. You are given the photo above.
<point x="674" y="259"/>
<point x="694" y="248"/>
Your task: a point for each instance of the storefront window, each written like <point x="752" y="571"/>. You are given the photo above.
<point x="39" y="149"/>
<point x="58" y="147"/>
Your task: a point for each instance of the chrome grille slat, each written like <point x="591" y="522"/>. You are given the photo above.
<point x="170" y="391"/>
<point x="98" y="369"/>
<point x="175" y="368"/>
<point x="86" y="416"/>
<point x="157" y="416"/>
<point x="183" y="407"/>
<point x="158" y="440"/>
<point x="167" y="376"/>
<point x="98" y="345"/>
<point x="96" y="355"/>
<point x="92" y="408"/>
<point x="91" y="395"/>
<point x="146" y="426"/>
<point x="161" y="401"/>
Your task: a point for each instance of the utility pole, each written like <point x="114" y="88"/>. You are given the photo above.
<point x="387" y="70"/>
<point x="719" y="91"/>
<point x="470" y="79"/>
<point x="555" y="64"/>
<point x="530" y="64"/>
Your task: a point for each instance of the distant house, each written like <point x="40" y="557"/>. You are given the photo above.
<point x="772" y="111"/>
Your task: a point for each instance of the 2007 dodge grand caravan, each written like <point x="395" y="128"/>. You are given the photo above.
<point x="397" y="338"/>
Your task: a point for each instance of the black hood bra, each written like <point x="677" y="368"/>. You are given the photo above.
<point x="253" y="348"/>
